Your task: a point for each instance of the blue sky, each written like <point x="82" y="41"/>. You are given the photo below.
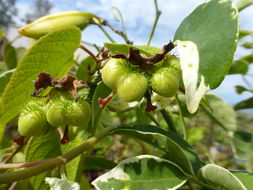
<point x="139" y="16"/>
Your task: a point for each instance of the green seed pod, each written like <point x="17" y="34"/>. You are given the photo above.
<point x="79" y="113"/>
<point x="113" y="71"/>
<point x="56" y="113"/>
<point x="165" y="82"/>
<point x="32" y="120"/>
<point x="52" y="22"/>
<point x="132" y="87"/>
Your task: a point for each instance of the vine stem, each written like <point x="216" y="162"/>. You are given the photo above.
<point x="88" y="52"/>
<point x="49" y="164"/>
<point x="157" y="16"/>
<point x="182" y="118"/>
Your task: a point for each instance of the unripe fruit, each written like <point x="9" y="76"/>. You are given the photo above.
<point x="56" y="113"/>
<point x="79" y="113"/>
<point x="52" y="22"/>
<point x="32" y="120"/>
<point x="165" y="82"/>
<point x="113" y="71"/>
<point x="132" y="87"/>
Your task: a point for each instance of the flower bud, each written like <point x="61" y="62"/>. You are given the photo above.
<point x="52" y="22"/>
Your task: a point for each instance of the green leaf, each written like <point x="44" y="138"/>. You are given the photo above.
<point x="240" y="66"/>
<point x="248" y="58"/>
<point x="221" y="112"/>
<point x="61" y="184"/>
<point x="206" y="42"/>
<point x="40" y="148"/>
<point x="248" y="44"/>
<point x="242" y="142"/>
<point x="142" y="172"/>
<point x="123" y="48"/>
<point x="240" y="89"/>
<point x="242" y="4"/>
<point x="9" y="56"/>
<point x="245" y="104"/>
<point x="245" y="177"/>
<point x="97" y="163"/>
<point x="1" y="33"/>
<point x="176" y="149"/>
<point x="4" y="79"/>
<point x="74" y="167"/>
<point x="87" y="65"/>
<point x="3" y="67"/>
<point x="244" y="33"/>
<point x="51" y="53"/>
<point x="220" y="178"/>
<point x="101" y="91"/>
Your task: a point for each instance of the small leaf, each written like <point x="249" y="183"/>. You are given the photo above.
<point x="9" y="56"/>
<point x="244" y="33"/>
<point x="176" y="149"/>
<point x="206" y="47"/>
<point x="101" y="91"/>
<point x="124" y="48"/>
<point x="240" y="89"/>
<point x="52" y="53"/>
<point x="248" y="44"/>
<point x="60" y="184"/>
<point x="242" y="142"/>
<point x="40" y="148"/>
<point x="97" y="163"/>
<point x="245" y="104"/>
<point x="242" y="4"/>
<point x="245" y="177"/>
<point x="142" y="172"/>
<point x="240" y="66"/>
<point x="221" y="111"/>
<point x="220" y="177"/>
<point x="4" y="79"/>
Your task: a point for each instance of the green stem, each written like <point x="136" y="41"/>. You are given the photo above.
<point x="158" y="14"/>
<point x="182" y="118"/>
<point x="106" y="34"/>
<point x="152" y="118"/>
<point x="168" y="120"/>
<point x="53" y="162"/>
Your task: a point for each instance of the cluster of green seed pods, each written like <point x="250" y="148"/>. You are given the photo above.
<point x="131" y="83"/>
<point x="37" y="117"/>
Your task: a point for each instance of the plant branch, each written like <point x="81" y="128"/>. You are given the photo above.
<point x="7" y="178"/>
<point x="6" y="160"/>
<point x="104" y="22"/>
<point x="168" y="120"/>
<point x="88" y="52"/>
<point x="158" y="14"/>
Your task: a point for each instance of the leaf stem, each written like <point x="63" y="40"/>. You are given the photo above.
<point x="49" y="164"/>
<point x="168" y="120"/>
<point x="157" y="15"/>
<point x="182" y="118"/>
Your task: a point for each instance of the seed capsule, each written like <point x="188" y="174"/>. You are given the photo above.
<point x="52" y="22"/>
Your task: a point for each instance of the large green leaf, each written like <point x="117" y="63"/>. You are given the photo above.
<point x="101" y="91"/>
<point x="40" y="148"/>
<point x="221" y="112"/>
<point x="142" y="172"/>
<point x="123" y="48"/>
<point x="245" y="177"/>
<point x="245" y="104"/>
<point x="176" y="149"/>
<point x="10" y="56"/>
<point x="219" y="177"/>
<point x="206" y="42"/>
<point x="51" y="53"/>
